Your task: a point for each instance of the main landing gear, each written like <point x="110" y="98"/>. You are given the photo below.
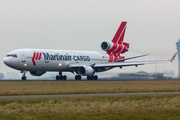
<point x="89" y="77"/>
<point x="61" y="77"/>
<point x="24" y="76"/>
<point x="78" y="77"/>
<point x="92" y="77"/>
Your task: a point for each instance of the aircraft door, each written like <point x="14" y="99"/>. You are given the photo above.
<point x="23" y="57"/>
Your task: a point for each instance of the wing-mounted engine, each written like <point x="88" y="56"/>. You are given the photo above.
<point x="111" y="47"/>
<point x="37" y="73"/>
<point x="85" y="70"/>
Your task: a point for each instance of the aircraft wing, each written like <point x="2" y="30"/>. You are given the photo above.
<point x="118" y="64"/>
<point x="122" y="64"/>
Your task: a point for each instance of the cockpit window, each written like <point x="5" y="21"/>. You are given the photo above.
<point x="8" y="55"/>
<point x="13" y="55"/>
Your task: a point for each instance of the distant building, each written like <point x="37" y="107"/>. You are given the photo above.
<point x="178" y="50"/>
<point x="141" y="76"/>
<point x="135" y="76"/>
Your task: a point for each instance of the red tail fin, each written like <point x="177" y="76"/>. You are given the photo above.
<point x="119" y="36"/>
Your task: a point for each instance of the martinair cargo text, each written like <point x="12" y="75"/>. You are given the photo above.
<point x="83" y="63"/>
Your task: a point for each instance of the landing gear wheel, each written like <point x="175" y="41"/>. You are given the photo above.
<point x="64" y="77"/>
<point x="61" y="77"/>
<point x="95" y="77"/>
<point x="77" y="77"/>
<point x="24" y="78"/>
<point x="92" y="77"/>
<point x="57" y="77"/>
<point x="88" y="77"/>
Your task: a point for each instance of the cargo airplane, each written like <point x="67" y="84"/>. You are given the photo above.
<point x="83" y="63"/>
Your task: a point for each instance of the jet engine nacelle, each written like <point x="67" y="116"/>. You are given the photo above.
<point x="114" y="47"/>
<point x="85" y="70"/>
<point x="37" y="73"/>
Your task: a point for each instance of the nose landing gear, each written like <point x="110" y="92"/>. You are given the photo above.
<point x="24" y="76"/>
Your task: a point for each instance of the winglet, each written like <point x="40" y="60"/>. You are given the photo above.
<point x="172" y="59"/>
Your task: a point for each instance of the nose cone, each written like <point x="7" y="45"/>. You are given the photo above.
<point x="6" y="61"/>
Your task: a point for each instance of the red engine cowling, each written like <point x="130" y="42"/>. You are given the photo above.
<point x="111" y="47"/>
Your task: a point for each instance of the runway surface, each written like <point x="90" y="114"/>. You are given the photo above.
<point x="86" y="95"/>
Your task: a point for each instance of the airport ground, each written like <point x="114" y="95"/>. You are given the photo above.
<point x="107" y="107"/>
<point x="85" y="87"/>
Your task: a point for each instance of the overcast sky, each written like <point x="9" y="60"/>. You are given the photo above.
<point x="153" y="27"/>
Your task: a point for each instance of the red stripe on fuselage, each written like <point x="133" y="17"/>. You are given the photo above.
<point x="33" y="58"/>
<point x="39" y="56"/>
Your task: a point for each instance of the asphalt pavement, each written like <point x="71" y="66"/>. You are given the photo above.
<point x="86" y="95"/>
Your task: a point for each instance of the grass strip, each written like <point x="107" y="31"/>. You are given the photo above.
<point x="84" y="87"/>
<point x="152" y="107"/>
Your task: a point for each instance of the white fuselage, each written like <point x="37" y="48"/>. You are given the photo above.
<point x="52" y="60"/>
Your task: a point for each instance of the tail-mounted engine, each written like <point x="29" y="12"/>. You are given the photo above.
<point x="114" y="47"/>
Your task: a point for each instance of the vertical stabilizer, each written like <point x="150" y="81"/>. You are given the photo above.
<point x="119" y="36"/>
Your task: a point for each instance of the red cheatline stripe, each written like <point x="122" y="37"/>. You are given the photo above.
<point x="36" y="56"/>
<point x="110" y="57"/>
<point x="33" y="58"/>
<point x="116" y="47"/>
<point x="113" y="48"/>
<point x="122" y="48"/>
<point x="39" y="56"/>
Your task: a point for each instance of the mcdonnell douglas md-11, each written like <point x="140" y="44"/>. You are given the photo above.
<point x="83" y="63"/>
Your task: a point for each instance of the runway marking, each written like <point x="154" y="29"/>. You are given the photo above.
<point x="86" y="95"/>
